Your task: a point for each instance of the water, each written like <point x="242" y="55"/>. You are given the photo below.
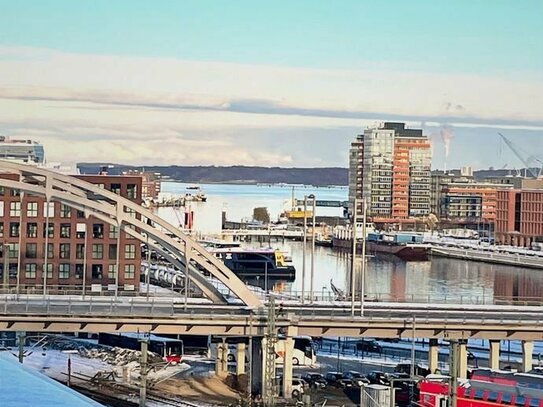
<point x="387" y="277"/>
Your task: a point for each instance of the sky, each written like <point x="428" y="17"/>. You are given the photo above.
<point x="282" y="83"/>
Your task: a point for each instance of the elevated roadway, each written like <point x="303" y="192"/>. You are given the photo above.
<point x="166" y="315"/>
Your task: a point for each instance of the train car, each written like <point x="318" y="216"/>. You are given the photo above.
<point x="171" y="350"/>
<point x="486" y="388"/>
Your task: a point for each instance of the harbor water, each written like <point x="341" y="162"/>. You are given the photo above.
<point x="387" y="277"/>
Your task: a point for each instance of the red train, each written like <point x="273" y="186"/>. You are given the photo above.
<point x="486" y="388"/>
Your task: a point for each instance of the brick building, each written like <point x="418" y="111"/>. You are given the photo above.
<point x="519" y="217"/>
<point x="72" y="241"/>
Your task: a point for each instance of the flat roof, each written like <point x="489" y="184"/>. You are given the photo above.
<point x="22" y="386"/>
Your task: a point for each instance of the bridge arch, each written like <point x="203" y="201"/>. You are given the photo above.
<point x="177" y="247"/>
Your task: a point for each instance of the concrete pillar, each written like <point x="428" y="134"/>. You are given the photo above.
<point x="257" y="365"/>
<point x="494" y="355"/>
<point x="527" y="355"/>
<point x="287" y="362"/>
<point x="463" y="360"/>
<point x="221" y="363"/>
<point x="433" y="356"/>
<point x="240" y="359"/>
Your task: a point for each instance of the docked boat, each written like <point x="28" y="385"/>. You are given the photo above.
<point x="406" y="246"/>
<point x="256" y="265"/>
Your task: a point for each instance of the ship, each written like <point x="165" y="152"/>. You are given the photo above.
<point x="406" y="246"/>
<point x="254" y="266"/>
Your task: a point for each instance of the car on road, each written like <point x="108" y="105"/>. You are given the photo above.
<point x="336" y="379"/>
<point x="315" y="380"/>
<point x="298" y="386"/>
<point x="406" y="368"/>
<point x="369" y="345"/>
<point x="357" y="378"/>
<point x="378" y="377"/>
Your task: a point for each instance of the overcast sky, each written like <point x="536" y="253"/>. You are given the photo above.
<point x="286" y="83"/>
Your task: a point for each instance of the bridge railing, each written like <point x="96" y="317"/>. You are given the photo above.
<point x="483" y="299"/>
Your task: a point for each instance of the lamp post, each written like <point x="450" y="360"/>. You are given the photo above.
<point x="304" y="248"/>
<point x="353" y="255"/>
<point x="148" y="275"/>
<point x="312" y="276"/>
<point x="363" y="269"/>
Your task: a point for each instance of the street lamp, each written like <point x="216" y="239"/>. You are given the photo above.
<point x="312" y="197"/>
<point x="69" y="353"/>
<point x="304" y="248"/>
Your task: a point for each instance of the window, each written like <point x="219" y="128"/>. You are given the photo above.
<point x="98" y="231"/>
<point x="32" y="209"/>
<point x="14" y="229"/>
<point x="15" y="192"/>
<point x="130" y="251"/>
<point x="79" y="271"/>
<point x="49" y="230"/>
<point x="30" y="270"/>
<point x="64" y="271"/>
<point x="65" y="211"/>
<point x="97" y="251"/>
<point x="129" y="271"/>
<point x="49" y="269"/>
<point x="1" y="229"/>
<point x="13" y="250"/>
<point x="1" y="208"/>
<point x="79" y="251"/>
<point x="131" y="212"/>
<point x="113" y="232"/>
<point x="2" y="191"/>
<point x="116" y="188"/>
<point x="49" y="209"/>
<point x="65" y="229"/>
<point x="64" y="251"/>
<point x="31" y="230"/>
<point x="112" y="271"/>
<point x="31" y="251"/>
<point x="15" y="209"/>
<point x="50" y="250"/>
<point x="12" y="270"/>
<point x="97" y="271"/>
<point x="129" y="236"/>
<point x="520" y="400"/>
<point x="131" y="191"/>
<point x="80" y="214"/>
<point x="113" y="252"/>
<point x="534" y="403"/>
<point x="80" y="230"/>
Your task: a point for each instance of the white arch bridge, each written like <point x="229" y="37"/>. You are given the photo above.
<point x="166" y="239"/>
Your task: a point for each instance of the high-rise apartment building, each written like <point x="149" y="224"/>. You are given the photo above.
<point x="389" y="166"/>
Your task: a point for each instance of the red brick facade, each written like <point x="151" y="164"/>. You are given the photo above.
<point x="23" y="222"/>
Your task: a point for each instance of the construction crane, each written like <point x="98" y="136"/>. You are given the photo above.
<point x="525" y="161"/>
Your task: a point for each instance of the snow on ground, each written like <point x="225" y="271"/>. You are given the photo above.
<point x="22" y="386"/>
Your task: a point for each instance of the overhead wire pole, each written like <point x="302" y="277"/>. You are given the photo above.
<point x="312" y="252"/>
<point x="21" y="194"/>
<point x="46" y="255"/>
<point x="353" y="255"/>
<point x="363" y="269"/>
<point x="304" y="248"/>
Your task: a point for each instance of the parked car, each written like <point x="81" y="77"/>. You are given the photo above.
<point x="378" y="377"/>
<point x="406" y="368"/>
<point x="298" y="386"/>
<point x="369" y="345"/>
<point x="336" y="379"/>
<point x="357" y="378"/>
<point x="316" y="380"/>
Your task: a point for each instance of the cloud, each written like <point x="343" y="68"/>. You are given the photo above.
<point x="171" y="111"/>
